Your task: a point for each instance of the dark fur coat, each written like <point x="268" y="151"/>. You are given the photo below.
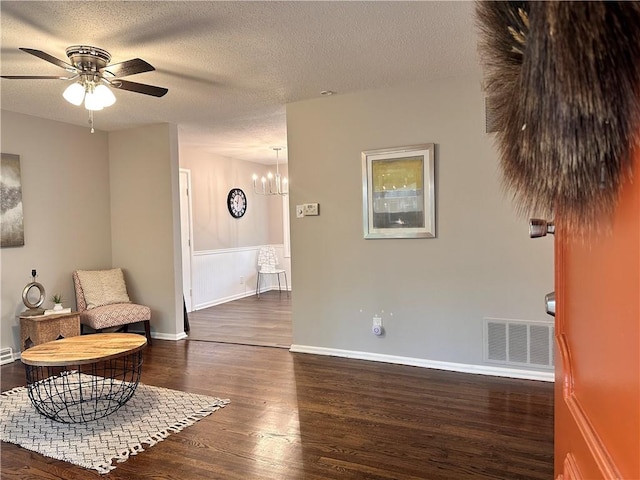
<point x="564" y="78"/>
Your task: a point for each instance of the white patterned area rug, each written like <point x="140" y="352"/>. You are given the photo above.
<point x="152" y="414"/>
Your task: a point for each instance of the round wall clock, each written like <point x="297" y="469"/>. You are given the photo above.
<point x="236" y="202"/>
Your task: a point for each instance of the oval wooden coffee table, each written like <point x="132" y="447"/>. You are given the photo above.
<point x="80" y="379"/>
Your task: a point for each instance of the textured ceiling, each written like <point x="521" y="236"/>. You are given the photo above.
<point x="231" y="66"/>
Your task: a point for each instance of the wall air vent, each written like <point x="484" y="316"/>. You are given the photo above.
<point x="6" y="355"/>
<point x="519" y="342"/>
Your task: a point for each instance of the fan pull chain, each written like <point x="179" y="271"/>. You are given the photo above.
<point x="91" y="121"/>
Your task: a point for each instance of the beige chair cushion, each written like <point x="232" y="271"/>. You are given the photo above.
<point x="115" y="315"/>
<point x="103" y="287"/>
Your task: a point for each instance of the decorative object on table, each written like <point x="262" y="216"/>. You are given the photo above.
<point x="149" y="417"/>
<point x="563" y="80"/>
<point x="237" y="202"/>
<point x="268" y="265"/>
<point x="11" y="218"/>
<point x="57" y="302"/>
<point x="272" y="184"/>
<point x="103" y="302"/>
<point x="33" y="307"/>
<point x="398" y="192"/>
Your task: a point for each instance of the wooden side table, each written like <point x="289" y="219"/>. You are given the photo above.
<point x="38" y="329"/>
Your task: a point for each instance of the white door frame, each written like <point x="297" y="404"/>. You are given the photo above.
<point x="186" y="236"/>
<point x="286" y="227"/>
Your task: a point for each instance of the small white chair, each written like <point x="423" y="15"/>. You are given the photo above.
<point x="268" y="265"/>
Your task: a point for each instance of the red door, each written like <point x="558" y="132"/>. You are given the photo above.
<point x="597" y="390"/>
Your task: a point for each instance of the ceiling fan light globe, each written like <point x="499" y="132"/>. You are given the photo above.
<point x="92" y="102"/>
<point x="105" y="95"/>
<point x="74" y="94"/>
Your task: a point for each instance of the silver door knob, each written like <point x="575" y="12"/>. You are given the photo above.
<point x="550" y="302"/>
<point x="540" y="228"/>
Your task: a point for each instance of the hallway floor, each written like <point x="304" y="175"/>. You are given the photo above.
<point x="264" y="321"/>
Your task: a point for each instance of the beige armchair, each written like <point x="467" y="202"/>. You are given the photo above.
<point x="103" y="302"/>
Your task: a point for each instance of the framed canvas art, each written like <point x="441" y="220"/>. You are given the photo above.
<point x="398" y="192"/>
<point x="11" y="220"/>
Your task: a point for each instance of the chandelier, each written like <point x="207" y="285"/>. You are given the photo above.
<point x="272" y="184"/>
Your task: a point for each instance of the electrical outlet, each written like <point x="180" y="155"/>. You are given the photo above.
<point x="311" y="209"/>
<point x="299" y="211"/>
<point x="241" y="280"/>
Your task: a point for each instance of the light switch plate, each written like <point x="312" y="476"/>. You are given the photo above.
<point x="299" y="211"/>
<point x="311" y="209"/>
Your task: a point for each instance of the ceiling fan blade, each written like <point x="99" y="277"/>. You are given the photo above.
<point x="35" y="77"/>
<point x="139" y="88"/>
<point x="50" y="59"/>
<point x="130" y="67"/>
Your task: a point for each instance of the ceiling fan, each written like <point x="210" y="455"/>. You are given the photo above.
<point x="93" y="75"/>
<point x="91" y="65"/>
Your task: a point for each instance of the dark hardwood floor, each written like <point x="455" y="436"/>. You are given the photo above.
<point x="264" y="321"/>
<point x="298" y="416"/>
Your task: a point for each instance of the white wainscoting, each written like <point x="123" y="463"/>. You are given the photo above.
<point x="217" y="275"/>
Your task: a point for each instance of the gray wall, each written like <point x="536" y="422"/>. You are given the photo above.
<point x="145" y="220"/>
<point x="434" y="292"/>
<point x="65" y="195"/>
<point x="211" y="179"/>
<point x="94" y="201"/>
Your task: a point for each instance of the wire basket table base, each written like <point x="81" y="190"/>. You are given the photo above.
<point x="84" y="393"/>
<point x="83" y="378"/>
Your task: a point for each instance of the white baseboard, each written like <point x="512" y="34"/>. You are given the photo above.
<point x="169" y="336"/>
<point x="231" y="298"/>
<point x="163" y="336"/>
<point x="219" y="301"/>
<point x="420" y="362"/>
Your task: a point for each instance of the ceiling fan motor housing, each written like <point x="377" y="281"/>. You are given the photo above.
<point x="88" y="59"/>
